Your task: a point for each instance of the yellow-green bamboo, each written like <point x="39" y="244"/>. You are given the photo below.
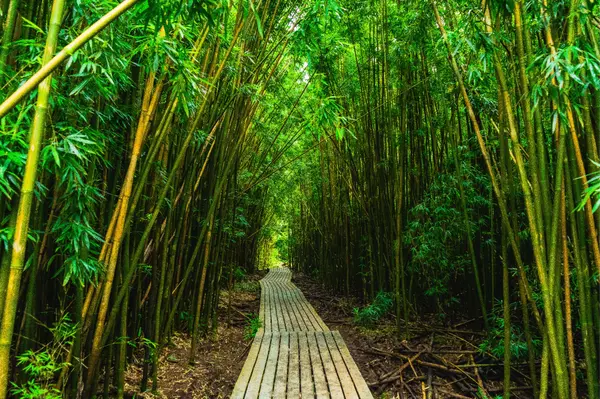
<point x="26" y="200"/>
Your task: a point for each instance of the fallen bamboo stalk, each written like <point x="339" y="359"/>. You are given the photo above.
<point x="443" y="368"/>
<point x="395" y="375"/>
<point x="479" y="380"/>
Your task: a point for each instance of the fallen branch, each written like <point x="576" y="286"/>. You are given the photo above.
<point x="444" y="351"/>
<point x="395" y="375"/>
<point x="443" y="368"/>
<point x="246" y="350"/>
<point x="479" y="380"/>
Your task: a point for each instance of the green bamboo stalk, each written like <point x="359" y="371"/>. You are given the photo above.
<point x="8" y="29"/>
<point x="122" y="355"/>
<point x="159" y="301"/>
<point x="583" y="282"/>
<point x="533" y="213"/>
<point x="162" y="196"/>
<point x="504" y="168"/>
<point x="26" y="201"/>
<point x="200" y="292"/>
<point x="5" y="264"/>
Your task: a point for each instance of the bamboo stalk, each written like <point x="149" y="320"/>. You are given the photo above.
<point x="26" y="201"/>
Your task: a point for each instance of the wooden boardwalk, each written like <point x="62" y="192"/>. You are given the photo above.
<point x="294" y="354"/>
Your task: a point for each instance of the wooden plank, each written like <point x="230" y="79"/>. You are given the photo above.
<point x="281" y="377"/>
<point x="359" y="382"/>
<point x="283" y="274"/>
<point x="259" y="368"/>
<point x="301" y="312"/>
<point x="267" y="306"/>
<point x="314" y="313"/>
<point x="293" y="326"/>
<point x="281" y="306"/>
<point x="340" y="366"/>
<point x="273" y="309"/>
<point x="299" y="315"/>
<point x="321" y="389"/>
<point x="289" y="314"/>
<point x="333" y="381"/>
<point x="293" y="377"/>
<point x="268" y="379"/>
<point x="242" y="383"/>
<point x="307" y="388"/>
<point x="261" y="311"/>
<point x="280" y="321"/>
<point x="310" y="319"/>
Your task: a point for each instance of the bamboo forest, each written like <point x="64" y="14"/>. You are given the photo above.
<point x="300" y="199"/>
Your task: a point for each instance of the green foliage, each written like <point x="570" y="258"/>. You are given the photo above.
<point x="315" y="34"/>
<point x="77" y="241"/>
<point x="167" y="12"/>
<point x="253" y="324"/>
<point x="436" y="230"/>
<point x="142" y="342"/>
<point x="494" y="342"/>
<point x="247" y="286"/>
<point x="12" y="160"/>
<point x="42" y="366"/>
<point x="32" y="390"/>
<point x="593" y="190"/>
<point x="369" y="315"/>
<point x="242" y="283"/>
<point x="239" y="274"/>
<point x="187" y="318"/>
<point x="570" y="64"/>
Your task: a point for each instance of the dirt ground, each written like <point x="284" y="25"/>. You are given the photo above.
<point x="219" y="359"/>
<point x="435" y="362"/>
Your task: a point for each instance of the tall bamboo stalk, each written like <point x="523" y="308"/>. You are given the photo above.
<point x="8" y="28"/>
<point x="26" y="201"/>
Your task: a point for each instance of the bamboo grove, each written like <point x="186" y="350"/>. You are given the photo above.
<point x="470" y="178"/>
<point x="442" y="153"/>
<point x="128" y="192"/>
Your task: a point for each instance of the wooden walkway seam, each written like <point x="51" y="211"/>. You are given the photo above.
<point x="294" y="354"/>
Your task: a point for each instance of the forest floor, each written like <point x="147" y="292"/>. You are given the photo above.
<point x="219" y="358"/>
<point x="436" y="361"/>
<point x="436" y="358"/>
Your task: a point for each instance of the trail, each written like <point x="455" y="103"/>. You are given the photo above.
<point x="294" y="354"/>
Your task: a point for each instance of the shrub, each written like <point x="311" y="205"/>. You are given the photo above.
<point x="253" y="323"/>
<point x="247" y="286"/>
<point x="43" y="365"/>
<point x="494" y="342"/>
<point x="239" y="274"/>
<point x="372" y="313"/>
